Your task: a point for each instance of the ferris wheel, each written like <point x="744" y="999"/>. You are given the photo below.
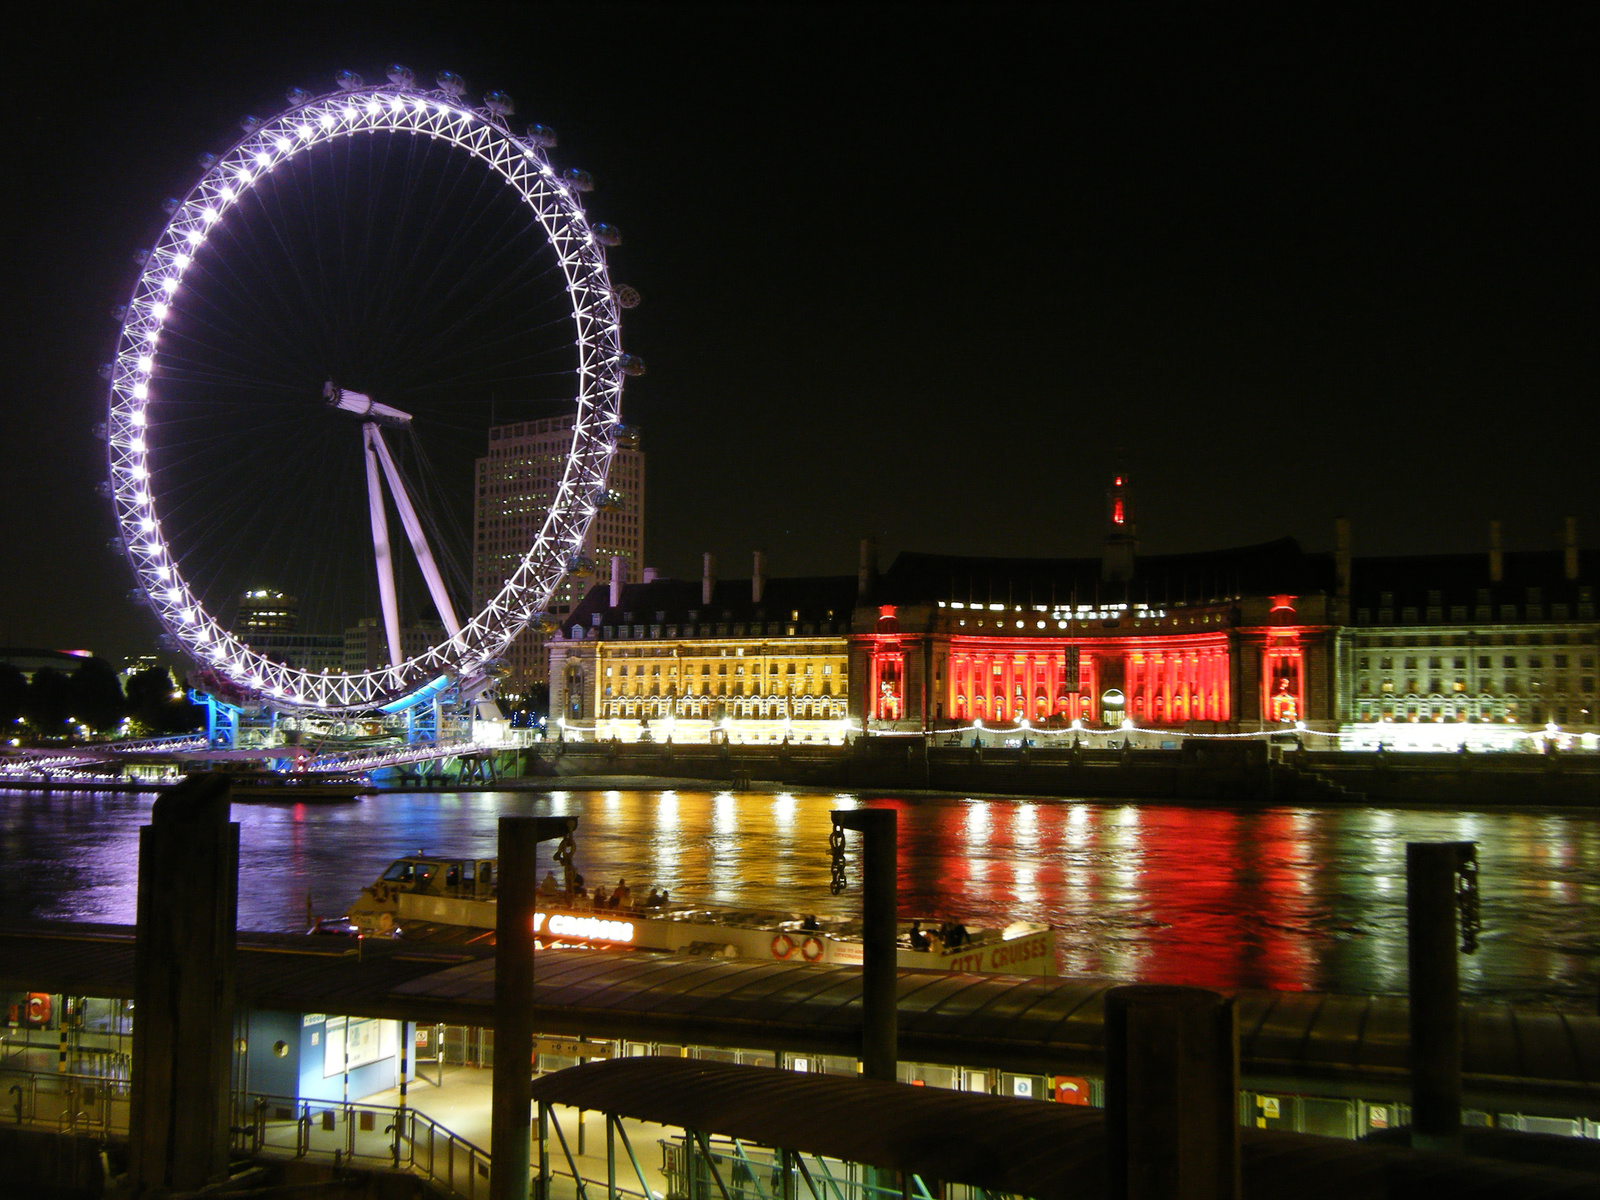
<point x="327" y="329"/>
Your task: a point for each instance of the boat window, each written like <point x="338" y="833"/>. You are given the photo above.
<point x="452" y="875"/>
<point x="466" y="873"/>
<point x="400" y="872"/>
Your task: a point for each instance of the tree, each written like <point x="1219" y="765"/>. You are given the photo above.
<point x="13" y="698"/>
<point x="49" y="702"/>
<point x="537" y="702"/>
<point x="97" y="699"/>
<point x="156" y="703"/>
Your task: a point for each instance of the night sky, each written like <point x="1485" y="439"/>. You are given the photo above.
<point x="924" y="272"/>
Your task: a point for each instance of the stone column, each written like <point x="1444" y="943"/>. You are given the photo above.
<point x="879" y="968"/>
<point x="1435" y="992"/>
<point x="188" y="910"/>
<point x="1172" y="1085"/>
<point x="512" y="1085"/>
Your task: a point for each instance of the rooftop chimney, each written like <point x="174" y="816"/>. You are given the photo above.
<point x="867" y="573"/>
<point x="1497" y="558"/>
<point x="1341" y="554"/>
<point x="758" y="577"/>
<point x="1571" y="556"/>
<point x="651" y="574"/>
<point x="708" y="577"/>
<point x="616" y="580"/>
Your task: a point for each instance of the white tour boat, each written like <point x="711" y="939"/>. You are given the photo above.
<point x="432" y="897"/>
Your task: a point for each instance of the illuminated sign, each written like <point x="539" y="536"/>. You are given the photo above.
<point x="1007" y="956"/>
<point x="587" y="929"/>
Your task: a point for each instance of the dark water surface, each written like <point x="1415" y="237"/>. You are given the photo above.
<point x="1293" y="898"/>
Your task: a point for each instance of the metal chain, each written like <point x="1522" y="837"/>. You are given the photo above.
<point x="1467" y="900"/>
<point x="836" y="883"/>
<point x="563" y="855"/>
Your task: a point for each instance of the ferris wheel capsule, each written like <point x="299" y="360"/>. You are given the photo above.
<point x="542" y="136"/>
<point x="607" y="235"/>
<point x="631" y="364"/>
<point x="348" y="81"/>
<point x="296" y="96"/>
<point x="580" y="180"/>
<point x="400" y="75"/>
<point x="499" y="103"/>
<point x="250" y="123"/>
<point x="206" y="161"/>
<point x="450" y="83"/>
<point x="628" y="297"/>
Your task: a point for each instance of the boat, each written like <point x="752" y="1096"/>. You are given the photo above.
<point x="442" y="898"/>
<point x="253" y="781"/>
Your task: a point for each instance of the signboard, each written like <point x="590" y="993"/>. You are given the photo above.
<point x="584" y="929"/>
<point x="366" y="1040"/>
<point x="1023" y="954"/>
<point x="571" y="1049"/>
<point x="1072" y="1089"/>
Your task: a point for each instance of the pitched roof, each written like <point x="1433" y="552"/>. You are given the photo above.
<point x="1458" y="578"/>
<point x="1269" y="568"/>
<point x="679" y="601"/>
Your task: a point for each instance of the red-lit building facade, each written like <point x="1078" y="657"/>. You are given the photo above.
<point x="1231" y="640"/>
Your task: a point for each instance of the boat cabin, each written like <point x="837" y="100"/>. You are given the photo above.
<point x="462" y="879"/>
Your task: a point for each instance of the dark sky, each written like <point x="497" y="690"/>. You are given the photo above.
<point x="919" y="272"/>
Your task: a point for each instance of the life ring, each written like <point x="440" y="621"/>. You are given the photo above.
<point x="38" y="1008"/>
<point x="811" y="948"/>
<point x="782" y="945"/>
<point x="385" y="922"/>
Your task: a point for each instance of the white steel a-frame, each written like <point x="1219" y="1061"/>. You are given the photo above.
<point x="380" y="460"/>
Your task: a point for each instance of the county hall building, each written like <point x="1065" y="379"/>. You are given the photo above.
<point x="1224" y="641"/>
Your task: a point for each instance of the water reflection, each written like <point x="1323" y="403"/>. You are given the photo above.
<point x="1280" y="898"/>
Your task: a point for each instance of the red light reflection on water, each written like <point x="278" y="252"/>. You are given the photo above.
<point x="1171" y="895"/>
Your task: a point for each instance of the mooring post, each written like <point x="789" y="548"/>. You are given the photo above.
<point x="188" y="908"/>
<point x="1172" y="1087"/>
<point x="1432" y="869"/>
<point x="510" y="1147"/>
<point x="879" y="910"/>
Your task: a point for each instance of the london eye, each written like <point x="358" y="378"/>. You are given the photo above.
<point x="317" y="343"/>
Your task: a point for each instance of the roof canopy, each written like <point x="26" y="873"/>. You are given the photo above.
<point x="1018" y="1146"/>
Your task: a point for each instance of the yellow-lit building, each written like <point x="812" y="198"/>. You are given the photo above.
<point x="745" y="661"/>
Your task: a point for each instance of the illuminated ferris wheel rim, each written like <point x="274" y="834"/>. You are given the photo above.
<point x="354" y="111"/>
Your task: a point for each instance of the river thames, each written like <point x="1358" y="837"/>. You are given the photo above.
<point x="1288" y="898"/>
